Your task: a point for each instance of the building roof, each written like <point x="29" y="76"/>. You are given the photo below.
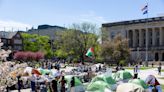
<point x="46" y="30"/>
<point x="7" y="35"/>
<point x="137" y="21"/>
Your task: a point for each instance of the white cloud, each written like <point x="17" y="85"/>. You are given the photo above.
<point x="90" y="17"/>
<point x="10" y="25"/>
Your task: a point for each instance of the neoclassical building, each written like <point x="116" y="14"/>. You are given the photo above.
<point x="143" y="35"/>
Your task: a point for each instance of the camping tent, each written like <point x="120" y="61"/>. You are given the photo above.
<point x="122" y="75"/>
<point x="107" y="79"/>
<point x="98" y="86"/>
<point x="129" y="87"/>
<point x="78" y="84"/>
<point x="139" y="82"/>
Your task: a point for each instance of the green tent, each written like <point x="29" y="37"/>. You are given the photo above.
<point x="44" y="71"/>
<point x="121" y="75"/>
<point x="98" y="86"/>
<point x="139" y="82"/>
<point x="107" y="79"/>
<point x="77" y="81"/>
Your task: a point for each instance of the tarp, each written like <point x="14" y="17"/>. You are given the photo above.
<point x="36" y="72"/>
<point x="139" y="82"/>
<point x="121" y="75"/>
<point x="129" y="87"/>
<point x="98" y="86"/>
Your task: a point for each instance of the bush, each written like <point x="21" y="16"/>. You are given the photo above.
<point x="122" y="62"/>
<point x="24" y="56"/>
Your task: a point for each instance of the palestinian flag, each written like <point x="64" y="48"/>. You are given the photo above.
<point x="90" y="52"/>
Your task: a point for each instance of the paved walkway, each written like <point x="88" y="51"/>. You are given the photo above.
<point x="144" y="73"/>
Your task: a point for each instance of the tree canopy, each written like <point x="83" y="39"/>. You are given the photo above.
<point x="34" y="43"/>
<point x="75" y="41"/>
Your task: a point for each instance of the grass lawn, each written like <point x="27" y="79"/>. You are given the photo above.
<point x="142" y="68"/>
<point x="162" y="87"/>
<point x="162" y="70"/>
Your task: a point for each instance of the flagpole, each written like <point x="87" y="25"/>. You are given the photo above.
<point x="147" y="35"/>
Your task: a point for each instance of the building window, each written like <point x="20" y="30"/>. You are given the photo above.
<point x="17" y="41"/>
<point x="17" y="47"/>
<point x="18" y="36"/>
<point x="8" y="41"/>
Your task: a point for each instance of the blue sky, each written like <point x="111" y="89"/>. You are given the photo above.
<point x="20" y="14"/>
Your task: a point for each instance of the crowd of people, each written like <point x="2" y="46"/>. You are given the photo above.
<point x="58" y="82"/>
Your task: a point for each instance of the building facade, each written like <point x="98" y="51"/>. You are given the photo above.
<point x="144" y="35"/>
<point x="12" y="40"/>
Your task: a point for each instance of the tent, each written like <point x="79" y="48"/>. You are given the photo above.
<point x="139" y="82"/>
<point x="44" y="71"/>
<point x="79" y="87"/>
<point x="28" y="70"/>
<point x="98" y="86"/>
<point x="107" y="79"/>
<point x="122" y="75"/>
<point x="129" y="87"/>
<point x="77" y="81"/>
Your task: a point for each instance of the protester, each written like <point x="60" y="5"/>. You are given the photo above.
<point x="72" y="84"/>
<point x="152" y="64"/>
<point x="136" y="71"/>
<point x="32" y="79"/>
<point x="159" y="69"/>
<point x="153" y="84"/>
<point x="54" y="85"/>
<point x="63" y="82"/>
<point x="19" y="83"/>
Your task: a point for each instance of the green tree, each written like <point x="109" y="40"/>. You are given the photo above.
<point x="77" y="40"/>
<point x="116" y="49"/>
<point x="34" y="42"/>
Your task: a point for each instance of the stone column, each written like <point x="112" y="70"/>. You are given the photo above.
<point x="154" y="36"/>
<point x="134" y="38"/>
<point x="147" y="38"/>
<point x="140" y="38"/>
<point x="161" y="36"/>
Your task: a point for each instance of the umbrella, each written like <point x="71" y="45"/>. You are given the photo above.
<point x="122" y="75"/>
<point x="129" y="87"/>
<point x="139" y="82"/>
<point x="98" y="86"/>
